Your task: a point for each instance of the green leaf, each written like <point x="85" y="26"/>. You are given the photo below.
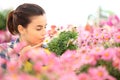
<point x="83" y="68"/>
<point x="63" y="42"/>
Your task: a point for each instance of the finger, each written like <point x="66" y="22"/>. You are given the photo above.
<point x="38" y="45"/>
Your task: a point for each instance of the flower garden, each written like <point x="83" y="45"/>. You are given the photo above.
<point x="72" y="53"/>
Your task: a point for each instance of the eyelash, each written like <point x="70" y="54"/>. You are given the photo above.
<point x="40" y="28"/>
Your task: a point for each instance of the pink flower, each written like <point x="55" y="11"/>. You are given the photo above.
<point x="12" y="67"/>
<point x="41" y="55"/>
<point x="99" y="73"/>
<point x="113" y="20"/>
<point x="68" y="76"/>
<point x="88" y="59"/>
<point x="37" y="66"/>
<point x="116" y="63"/>
<point x="116" y="37"/>
<point x="68" y="53"/>
<point x="96" y="51"/>
<point x="11" y="76"/>
<point x="84" y="76"/>
<point x="108" y="54"/>
<point x="1" y="48"/>
<point x="2" y="61"/>
<point x="71" y="59"/>
<point x="27" y="77"/>
<point x="117" y="52"/>
<point x="4" y="36"/>
<point x="1" y="73"/>
<point x="19" y="46"/>
<point x="21" y="76"/>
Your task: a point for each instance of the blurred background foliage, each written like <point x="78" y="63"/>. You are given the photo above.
<point x="3" y="18"/>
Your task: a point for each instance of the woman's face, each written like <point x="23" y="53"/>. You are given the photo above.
<point x="35" y="31"/>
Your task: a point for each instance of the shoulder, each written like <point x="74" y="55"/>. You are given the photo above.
<point x="5" y="48"/>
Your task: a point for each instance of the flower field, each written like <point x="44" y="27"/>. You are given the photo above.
<point x="96" y="57"/>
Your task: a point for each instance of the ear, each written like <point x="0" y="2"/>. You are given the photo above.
<point x="21" y="29"/>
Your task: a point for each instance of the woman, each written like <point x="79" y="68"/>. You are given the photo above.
<point x="29" y="22"/>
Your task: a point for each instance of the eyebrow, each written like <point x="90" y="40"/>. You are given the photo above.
<point x="41" y="25"/>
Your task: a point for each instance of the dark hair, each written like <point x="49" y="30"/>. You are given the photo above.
<point x="21" y="16"/>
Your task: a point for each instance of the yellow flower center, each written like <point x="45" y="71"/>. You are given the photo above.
<point x="87" y="57"/>
<point x="46" y="40"/>
<point x="106" y="54"/>
<point x="12" y="68"/>
<point x="97" y="34"/>
<point x="100" y="73"/>
<point x="118" y="37"/>
<point x="97" y="49"/>
<point x="47" y="51"/>
<point x="44" y="68"/>
<point x="106" y="38"/>
<point x="15" y="77"/>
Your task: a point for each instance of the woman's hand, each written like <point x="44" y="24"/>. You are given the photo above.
<point x="26" y="49"/>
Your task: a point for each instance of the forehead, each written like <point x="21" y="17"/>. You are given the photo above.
<point x="38" y="20"/>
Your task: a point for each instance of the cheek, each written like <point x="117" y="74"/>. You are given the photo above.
<point x="35" y="36"/>
<point x="40" y="34"/>
<point x="30" y="35"/>
<point x="33" y="39"/>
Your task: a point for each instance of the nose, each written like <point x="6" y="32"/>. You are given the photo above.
<point x="44" y="32"/>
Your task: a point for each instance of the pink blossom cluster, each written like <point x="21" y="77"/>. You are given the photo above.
<point x="5" y="36"/>
<point x="52" y="67"/>
<point x="40" y="64"/>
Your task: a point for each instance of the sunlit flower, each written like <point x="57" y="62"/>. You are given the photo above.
<point x="108" y="54"/>
<point x="99" y="73"/>
<point x="84" y="76"/>
<point x="116" y="37"/>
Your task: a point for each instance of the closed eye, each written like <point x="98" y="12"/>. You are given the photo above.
<point x="40" y="27"/>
